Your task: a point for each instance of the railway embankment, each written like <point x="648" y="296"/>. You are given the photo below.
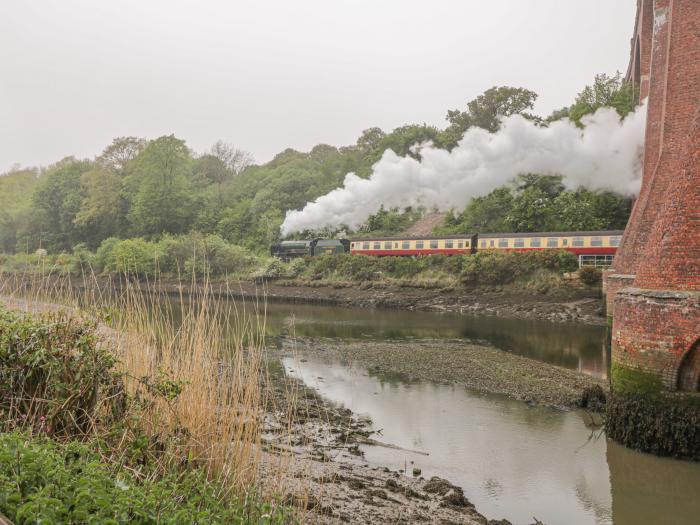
<point x="513" y="304"/>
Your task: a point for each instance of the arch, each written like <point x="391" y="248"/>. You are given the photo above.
<point x="689" y="370"/>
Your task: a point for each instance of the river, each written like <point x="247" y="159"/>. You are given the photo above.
<point x="513" y="460"/>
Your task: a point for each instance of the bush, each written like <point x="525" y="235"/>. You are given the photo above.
<point x="46" y="482"/>
<point x="133" y="256"/>
<point x="52" y="373"/>
<point x="590" y="275"/>
<point x="498" y="268"/>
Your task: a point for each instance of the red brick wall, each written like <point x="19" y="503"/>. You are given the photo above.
<point x="653" y="330"/>
<point x="656" y="303"/>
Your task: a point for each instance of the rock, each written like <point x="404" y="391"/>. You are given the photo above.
<point x="438" y="486"/>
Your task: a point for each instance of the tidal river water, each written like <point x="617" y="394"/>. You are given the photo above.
<point x="513" y="460"/>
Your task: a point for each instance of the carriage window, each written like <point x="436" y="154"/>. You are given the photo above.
<point x="491" y="243"/>
<point x="565" y="242"/>
<point x="387" y="245"/>
<point x="467" y="243"/>
<point x="365" y="246"/>
<point x="352" y="245"/>
<point x="419" y="245"/>
<point x="535" y="242"/>
<point x="460" y="244"/>
<point x="596" y="241"/>
<point x="518" y="243"/>
<point x="396" y="245"/>
<point x="615" y="241"/>
<point x="578" y="242"/>
<point x="503" y="243"/>
<point x="552" y="242"/>
<point x="433" y="245"/>
<point x="483" y="244"/>
<point x="449" y="243"/>
<point x="377" y="245"/>
<point x="405" y="245"/>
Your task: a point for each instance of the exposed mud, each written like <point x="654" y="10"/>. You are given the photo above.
<point x="478" y="367"/>
<point x="327" y="478"/>
<point x="521" y="305"/>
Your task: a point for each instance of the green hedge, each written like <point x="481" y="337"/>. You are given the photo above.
<point x="482" y="268"/>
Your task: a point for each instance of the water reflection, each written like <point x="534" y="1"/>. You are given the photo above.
<point x="513" y="460"/>
<point x="574" y="346"/>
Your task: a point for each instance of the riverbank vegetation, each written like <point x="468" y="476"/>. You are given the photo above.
<point x="158" y="190"/>
<point x="172" y="259"/>
<point x="125" y="412"/>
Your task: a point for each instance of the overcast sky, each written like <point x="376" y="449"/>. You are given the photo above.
<point x="267" y="75"/>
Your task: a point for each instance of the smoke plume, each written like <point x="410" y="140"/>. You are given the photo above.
<point x="606" y="154"/>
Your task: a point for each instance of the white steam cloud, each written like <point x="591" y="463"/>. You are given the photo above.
<point x="606" y="154"/>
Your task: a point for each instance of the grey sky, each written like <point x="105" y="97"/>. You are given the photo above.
<point x="267" y="75"/>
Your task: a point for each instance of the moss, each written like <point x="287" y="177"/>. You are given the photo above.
<point x="664" y="424"/>
<point x="627" y="380"/>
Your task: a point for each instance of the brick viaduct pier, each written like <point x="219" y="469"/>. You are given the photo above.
<point x="653" y="288"/>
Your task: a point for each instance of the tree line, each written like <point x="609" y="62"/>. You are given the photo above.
<point x="148" y="189"/>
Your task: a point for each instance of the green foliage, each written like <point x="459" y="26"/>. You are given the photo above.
<point x="53" y="372"/>
<point x="590" y="275"/>
<point x="498" y="268"/>
<point x="482" y="268"/>
<point x="486" y="110"/>
<point x="539" y="203"/>
<point x="152" y="189"/>
<point x="47" y="482"/>
<point x="133" y="256"/>
<point x="606" y="91"/>
<point x="56" y="202"/>
<point x="389" y="222"/>
<point x="163" y="201"/>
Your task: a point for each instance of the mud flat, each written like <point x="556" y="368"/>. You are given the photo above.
<point x="478" y="367"/>
<point x="326" y="475"/>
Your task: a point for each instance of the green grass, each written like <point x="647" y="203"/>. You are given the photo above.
<point x="43" y="481"/>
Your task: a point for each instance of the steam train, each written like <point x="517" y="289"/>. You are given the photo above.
<point x="593" y="248"/>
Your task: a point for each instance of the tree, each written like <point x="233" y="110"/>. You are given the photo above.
<point x="163" y="201"/>
<point x="370" y="139"/>
<point x="606" y="91"/>
<point x="486" y="110"/>
<point x="235" y="159"/>
<point x="119" y="153"/>
<point x="56" y="201"/>
<point x="103" y="209"/>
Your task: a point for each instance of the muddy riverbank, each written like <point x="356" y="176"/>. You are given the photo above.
<point x="575" y="306"/>
<point x="478" y="367"/>
<point x="508" y="304"/>
<point x="328" y="477"/>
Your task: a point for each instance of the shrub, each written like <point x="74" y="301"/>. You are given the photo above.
<point x="590" y="275"/>
<point x="52" y="373"/>
<point x="104" y="254"/>
<point x="133" y="256"/>
<point x="46" y="482"/>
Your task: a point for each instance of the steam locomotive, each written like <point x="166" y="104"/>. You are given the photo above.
<point x="593" y="248"/>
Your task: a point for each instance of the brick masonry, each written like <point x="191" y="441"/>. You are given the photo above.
<point x="653" y="288"/>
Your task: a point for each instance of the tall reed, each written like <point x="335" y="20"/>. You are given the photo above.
<point x="202" y="355"/>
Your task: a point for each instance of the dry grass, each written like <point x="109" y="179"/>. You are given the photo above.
<point x="203" y="356"/>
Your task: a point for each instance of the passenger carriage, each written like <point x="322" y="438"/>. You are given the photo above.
<point x="593" y="248"/>
<point x="403" y="246"/>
